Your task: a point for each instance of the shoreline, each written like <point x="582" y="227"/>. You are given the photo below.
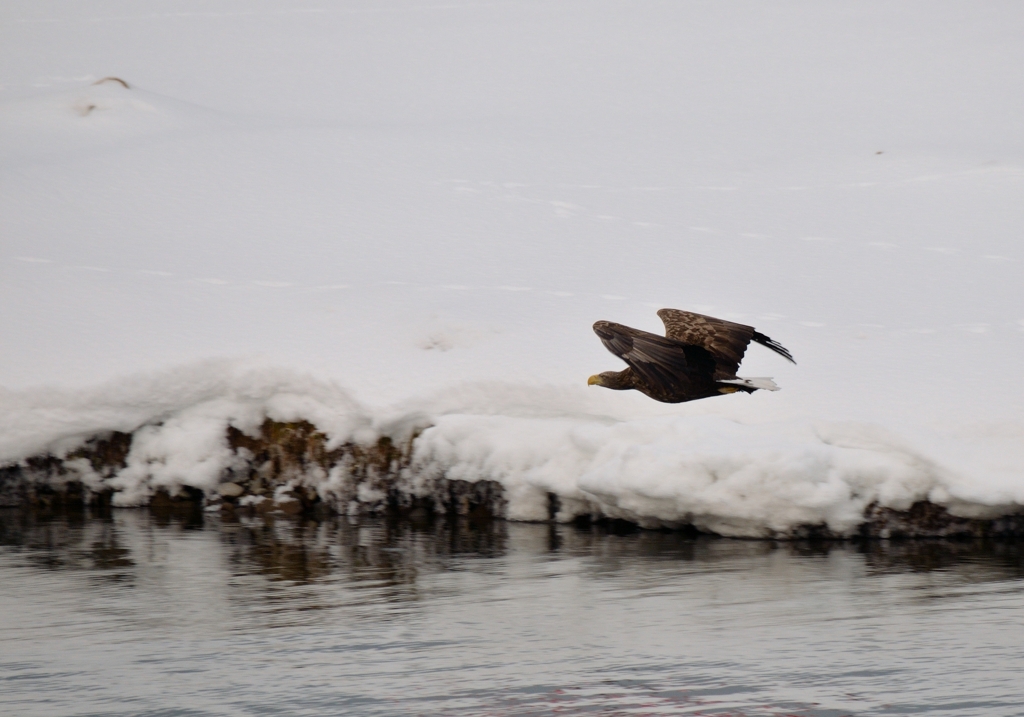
<point x="290" y="469"/>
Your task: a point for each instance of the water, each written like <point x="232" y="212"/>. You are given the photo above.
<point x="141" y="614"/>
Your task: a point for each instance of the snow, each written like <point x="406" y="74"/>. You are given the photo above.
<point x="377" y="215"/>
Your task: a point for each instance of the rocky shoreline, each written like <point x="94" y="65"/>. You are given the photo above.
<point x="289" y="468"/>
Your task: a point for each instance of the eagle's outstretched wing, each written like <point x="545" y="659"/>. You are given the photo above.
<point x="663" y="363"/>
<point x="726" y="341"/>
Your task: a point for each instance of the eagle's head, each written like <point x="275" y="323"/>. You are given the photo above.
<point x="618" y="380"/>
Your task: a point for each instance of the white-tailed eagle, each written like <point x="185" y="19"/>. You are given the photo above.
<point x="696" y="358"/>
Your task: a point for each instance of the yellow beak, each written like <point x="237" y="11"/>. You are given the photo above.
<point x="594" y="380"/>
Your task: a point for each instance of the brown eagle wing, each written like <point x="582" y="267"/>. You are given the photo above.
<point x="663" y="363"/>
<point x="725" y="340"/>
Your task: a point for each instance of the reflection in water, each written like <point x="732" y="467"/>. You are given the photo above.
<point x="434" y="617"/>
<point x="64" y="541"/>
<point x="987" y="560"/>
<point x="393" y="552"/>
<point x="388" y="552"/>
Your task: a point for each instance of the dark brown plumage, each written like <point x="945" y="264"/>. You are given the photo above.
<point x="697" y="358"/>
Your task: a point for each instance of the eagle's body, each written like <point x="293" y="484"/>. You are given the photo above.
<point x="697" y="358"/>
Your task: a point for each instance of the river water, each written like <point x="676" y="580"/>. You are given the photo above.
<point x="135" y="613"/>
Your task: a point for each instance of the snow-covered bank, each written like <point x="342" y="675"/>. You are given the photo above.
<point x="411" y="214"/>
<point x="259" y="437"/>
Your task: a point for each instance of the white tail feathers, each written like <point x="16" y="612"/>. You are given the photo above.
<point x="765" y="383"/>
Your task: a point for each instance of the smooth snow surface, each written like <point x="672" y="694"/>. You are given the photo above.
<point x="380" y="214"/>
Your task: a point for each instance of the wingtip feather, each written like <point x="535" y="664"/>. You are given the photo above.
<point x="775" y="346"/>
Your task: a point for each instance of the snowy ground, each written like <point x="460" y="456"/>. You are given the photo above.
<point x="368" y="210"/>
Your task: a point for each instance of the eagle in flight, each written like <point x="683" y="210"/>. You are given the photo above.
<point x="696" y="358"/>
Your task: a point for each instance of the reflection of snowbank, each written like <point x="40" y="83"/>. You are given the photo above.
<point x="716" y="474"/>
